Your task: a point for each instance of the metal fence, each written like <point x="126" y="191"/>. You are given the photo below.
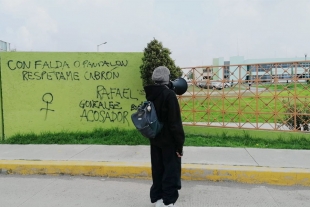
<point x="268" y="96"/>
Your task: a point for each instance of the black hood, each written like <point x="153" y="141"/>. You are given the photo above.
<point x="153" y="91"/>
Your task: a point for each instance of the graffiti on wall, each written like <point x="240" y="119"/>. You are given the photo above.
<point x="48" y="99"/>
<point x="54" y="70"/>
<point x="74" y="91"/>
<point x="104" y="108"/>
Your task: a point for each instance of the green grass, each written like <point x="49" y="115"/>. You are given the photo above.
<point x="221" y="137"/>
<point x="195" y="136"/>
<point x="215" y="108"/>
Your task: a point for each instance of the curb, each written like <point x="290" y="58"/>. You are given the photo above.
<point x="242" y="174"/>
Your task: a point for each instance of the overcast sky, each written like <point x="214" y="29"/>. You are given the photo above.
<point x="194" y="30"/>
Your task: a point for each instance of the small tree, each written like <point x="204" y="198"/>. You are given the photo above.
<point x="156" y="55"/>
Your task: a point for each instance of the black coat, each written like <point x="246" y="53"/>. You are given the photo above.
<point x="168" y="112"/>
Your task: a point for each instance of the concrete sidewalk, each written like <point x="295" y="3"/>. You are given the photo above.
<point x="246" y="165"/>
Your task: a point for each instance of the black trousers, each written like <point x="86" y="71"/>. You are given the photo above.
<point x="166" y="174"/>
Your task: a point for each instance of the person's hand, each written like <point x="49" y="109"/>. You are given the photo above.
<point x="179" y="155"/>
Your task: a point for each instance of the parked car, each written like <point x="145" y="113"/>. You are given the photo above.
<point x="204" y="84"/>
<point x="213" y="85"/>
<point x="220" y="85"/>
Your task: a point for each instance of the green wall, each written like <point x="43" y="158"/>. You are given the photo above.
<point x="68" y="91"/>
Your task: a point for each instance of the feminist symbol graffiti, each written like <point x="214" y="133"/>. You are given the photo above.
<point x="48" y="99"/>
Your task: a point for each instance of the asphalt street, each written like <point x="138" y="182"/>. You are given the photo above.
<point x="69" y="191"/>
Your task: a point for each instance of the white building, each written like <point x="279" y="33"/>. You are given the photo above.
<point x="4" y="46"/>
<point x="265" y="70"/>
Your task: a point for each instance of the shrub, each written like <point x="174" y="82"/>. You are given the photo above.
<point x="156" y="55"/>
<point x="299" y="119"/>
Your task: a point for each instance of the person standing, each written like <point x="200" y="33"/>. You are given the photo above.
<point x="167" y="147"/>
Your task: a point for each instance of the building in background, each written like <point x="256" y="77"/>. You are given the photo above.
<point x="264" y="70"/>
<point x="4" y="46"/>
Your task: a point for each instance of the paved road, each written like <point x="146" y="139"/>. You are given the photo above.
<point x="68" y="191"/>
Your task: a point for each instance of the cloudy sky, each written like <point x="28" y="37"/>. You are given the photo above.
<point x="194" y="30"/>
